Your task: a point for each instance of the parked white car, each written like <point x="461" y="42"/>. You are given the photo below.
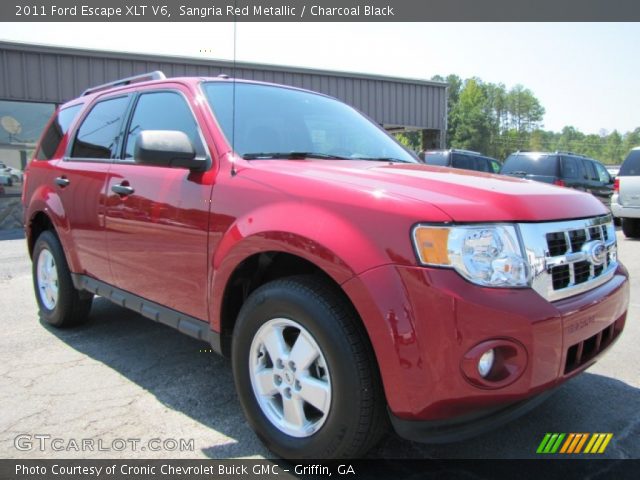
<point x="5" y="179"/>
<point x="625" y="202"/>
<point x="15" y="174"/>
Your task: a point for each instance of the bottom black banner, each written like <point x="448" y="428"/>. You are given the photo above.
<point x="538" y="469"/>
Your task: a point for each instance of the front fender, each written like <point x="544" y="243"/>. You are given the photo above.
<point x="323" y="238"/>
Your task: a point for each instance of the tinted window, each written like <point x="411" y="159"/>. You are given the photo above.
<point x="545" y="165"/>
<point x="98" y="134"/>
<point x="482" y="164"/>
<point x="463" y="161"/>
<point x="270" y="119"/>
<point x="436" y="158"/>
<point x="570" y="168"/>
<point x="57" y="128"/>
<point x="590" y="170"/>
<point x="631" y="165"/>
<point x="162" y="111"/>
<point x="603" y="175"/>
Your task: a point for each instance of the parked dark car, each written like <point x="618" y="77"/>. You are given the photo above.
<point x="565" y="169"/>
<point x="465" y="159"/>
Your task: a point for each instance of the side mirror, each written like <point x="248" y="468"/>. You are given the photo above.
<point x="166" y="148"/>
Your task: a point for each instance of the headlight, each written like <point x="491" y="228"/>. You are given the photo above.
<point x="487" y="255"/>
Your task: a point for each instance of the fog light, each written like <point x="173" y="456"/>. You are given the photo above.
<point x="486" y="362"/>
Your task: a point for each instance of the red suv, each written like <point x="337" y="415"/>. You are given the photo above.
<point x="349" y="283"/>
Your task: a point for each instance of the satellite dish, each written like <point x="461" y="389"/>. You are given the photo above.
<point x="11" y="125"/>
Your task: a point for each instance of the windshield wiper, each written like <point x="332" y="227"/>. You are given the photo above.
<point x="380" y="159"/>
<point x="291" y="155"/>
<point x="517" y="172"/>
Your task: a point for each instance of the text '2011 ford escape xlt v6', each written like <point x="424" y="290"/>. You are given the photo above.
<point x="349" y="283"/>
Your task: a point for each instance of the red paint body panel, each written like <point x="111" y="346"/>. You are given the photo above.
<point x="178" y="239"/>
<point x="422" y="321"/>
<point x="157" y="237"/>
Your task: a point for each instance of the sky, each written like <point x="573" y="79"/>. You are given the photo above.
<point x="586" y="75"/>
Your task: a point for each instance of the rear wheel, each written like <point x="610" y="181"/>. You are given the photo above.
<point x="61" y="305"/>
<point x="631" y="227"/>
<point x="305" y="371"/>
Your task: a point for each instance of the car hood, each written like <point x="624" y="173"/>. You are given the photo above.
<point x="463" y="195"/>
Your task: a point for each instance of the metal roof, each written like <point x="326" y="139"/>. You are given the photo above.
<point x="42" y="73"/>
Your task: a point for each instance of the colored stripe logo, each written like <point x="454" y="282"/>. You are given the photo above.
<point x="574" y="443"/>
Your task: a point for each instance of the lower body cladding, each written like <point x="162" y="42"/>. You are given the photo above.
<point x="458" y="359"/>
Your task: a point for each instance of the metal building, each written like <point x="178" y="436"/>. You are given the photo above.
<point x="35" y="78"/>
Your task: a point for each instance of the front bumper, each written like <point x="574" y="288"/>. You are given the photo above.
<point x="465" y="426"/>
<point x="423" y="321"/>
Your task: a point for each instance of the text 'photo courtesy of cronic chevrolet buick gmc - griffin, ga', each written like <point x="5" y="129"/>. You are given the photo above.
<point x="354" y="287"/>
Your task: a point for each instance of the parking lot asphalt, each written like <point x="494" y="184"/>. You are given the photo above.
<point x="124" y="380"/>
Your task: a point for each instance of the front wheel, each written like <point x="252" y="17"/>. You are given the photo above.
<point x="61" y="305"/>
<point x="305" y="371"/>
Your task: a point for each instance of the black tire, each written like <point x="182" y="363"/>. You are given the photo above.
<point x="631" y="227"/>
<point x="357" y="417"/>
<point x="71" y="306"/>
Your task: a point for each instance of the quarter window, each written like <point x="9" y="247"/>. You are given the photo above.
<point x="162" y="111"/>
<point x="57" y="129"/>
<point x="99" y="132"/>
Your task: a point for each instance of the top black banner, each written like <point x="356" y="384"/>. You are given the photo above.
<point x="319" y="10"/>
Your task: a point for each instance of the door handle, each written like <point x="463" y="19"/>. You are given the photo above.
<point x="122" y="190"/>
<point x="62" y="181"/>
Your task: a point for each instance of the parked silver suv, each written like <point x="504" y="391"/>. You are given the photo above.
<point x="625" y="202"/>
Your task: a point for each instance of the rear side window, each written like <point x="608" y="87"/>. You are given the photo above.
<point x="631" y="165"/>
<point x="544" y="165"/>
<point x="482" y="164"/>
<point x="463" y="161"/>
<point x="57" y="129"/>
<point x="570" y="168"/>
<point x="98" y="135"/>
<point x="436" y="158"/>
<point x="163" y="111"/>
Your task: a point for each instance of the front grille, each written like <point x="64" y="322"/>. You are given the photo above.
<point x="566" y="257"/>
<point x="572" y="241"/>
<point x="557" y="243"/>
<point x="560" y="277"/>
<point x="577" y="239"/>
<point x="581" y="271"/>
<point x="583" y="352"/>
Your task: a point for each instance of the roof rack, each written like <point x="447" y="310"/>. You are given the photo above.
<point x="156" y="75"/>
<point x="460" y="150"/>
<point x="571" y="153"/>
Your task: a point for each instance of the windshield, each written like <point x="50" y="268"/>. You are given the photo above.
<point x="276" y="122"/>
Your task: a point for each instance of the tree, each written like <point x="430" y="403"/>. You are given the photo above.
<point x="470" y="118"/>
<point x="496" y="121"/>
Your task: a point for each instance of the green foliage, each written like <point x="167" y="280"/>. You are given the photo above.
<point x="497" y="121"/>
<point x="412" y="140"/>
